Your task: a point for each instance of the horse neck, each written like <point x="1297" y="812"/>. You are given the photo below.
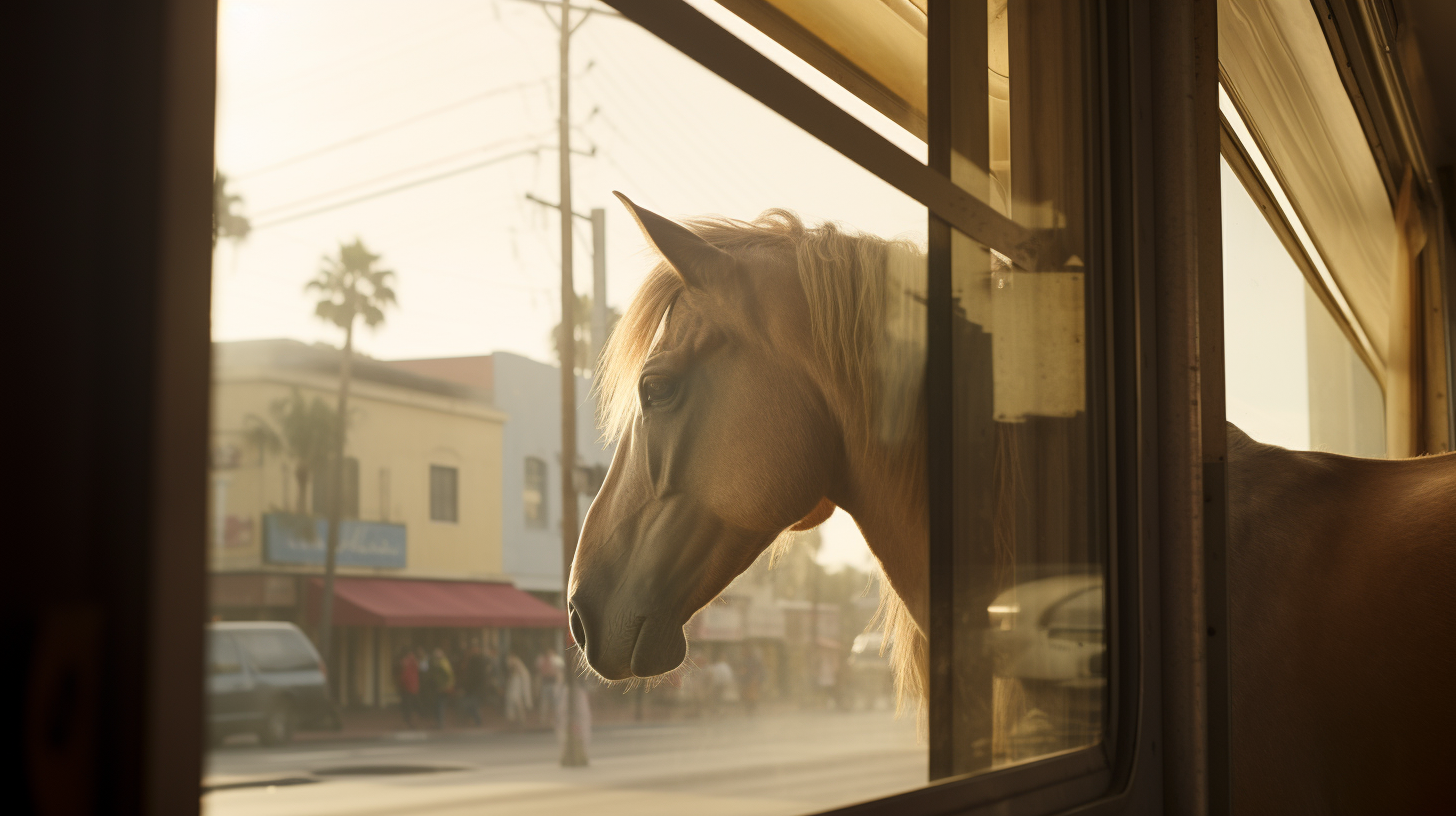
<point x="885" y="493"/>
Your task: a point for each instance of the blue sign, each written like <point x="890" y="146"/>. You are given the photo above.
<point x="294" y="539"/>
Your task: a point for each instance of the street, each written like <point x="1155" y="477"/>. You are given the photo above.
<point x="781" y="763"/>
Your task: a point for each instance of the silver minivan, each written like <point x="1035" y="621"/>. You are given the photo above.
<point x="265" y="678"/>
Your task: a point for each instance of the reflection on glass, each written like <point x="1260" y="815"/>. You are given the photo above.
<point x="360" y="138"/>
<point x="1028" y="566"/>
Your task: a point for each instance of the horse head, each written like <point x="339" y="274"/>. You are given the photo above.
<point x="726" y="438"/>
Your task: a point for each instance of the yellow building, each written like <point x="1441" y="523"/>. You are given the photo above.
<point x="419" y="561"/>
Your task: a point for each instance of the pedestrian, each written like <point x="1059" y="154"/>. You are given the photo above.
<point x="407" y="680"/>
<point x="549" y="666"/>
<point x="495" y="683"/>
<point x="472" y="684"/>
<point x="580" y="707"/>
<point x="723" y="686"/>
<point x="442" y="677"/>
<point x="518" y="690"/>
<point x="429" y="691"/>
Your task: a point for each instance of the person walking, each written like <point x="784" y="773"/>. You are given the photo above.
<point x="429" y="692"/>
<point x="407" y="680"/>
<point x="549" y="666"/>
<point x="472" y="684"/>
<point x="518" y="690"/>
<point x="442" y="677"/>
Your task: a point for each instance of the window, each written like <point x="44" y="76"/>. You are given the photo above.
<point x="224" y="654"/>
<point x="1023" y="565"/>
<point x="533" y="494"/>
<point x="278" y="650"/>
<point x="323" y="484"/>
<point x="444" y="493"/>
<point x="983" y="261"/>
<point x="1293" y="379"/>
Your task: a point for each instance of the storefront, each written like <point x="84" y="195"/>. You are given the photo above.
<point x="376" y="619"/>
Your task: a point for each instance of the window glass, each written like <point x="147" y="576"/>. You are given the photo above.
<point x="406" y="156"/>
<point x="1027" y="559"/>
<point x="444" y="493"/>
<point x="278" y="650"/>
<point x="534" y="498"/>
<point x="1292" y="377"/>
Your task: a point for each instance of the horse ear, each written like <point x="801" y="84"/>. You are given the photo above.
<point x="696" y="261"/>
<point x="820" y="514"/>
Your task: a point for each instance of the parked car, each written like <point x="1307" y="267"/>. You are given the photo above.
<point x="265" y="678"/>
<point x="1050" y="630"/>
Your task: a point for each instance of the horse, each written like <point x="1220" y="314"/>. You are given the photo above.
<point x="767" y="373"/>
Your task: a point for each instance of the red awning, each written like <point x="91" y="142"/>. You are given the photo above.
<point x="401" y="602"/>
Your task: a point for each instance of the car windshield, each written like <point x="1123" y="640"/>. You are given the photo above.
<point x="278" y="650"/>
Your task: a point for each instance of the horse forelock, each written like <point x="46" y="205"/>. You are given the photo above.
<point x="866" y="316"/>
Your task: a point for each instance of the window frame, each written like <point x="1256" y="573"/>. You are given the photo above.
<point x="1150" y="55"/>
<point x="454" y="493"/>
<point x="1134" y="372"/>
<point x="544" y="521"/>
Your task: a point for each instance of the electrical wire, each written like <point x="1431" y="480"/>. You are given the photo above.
<point x="397" y="188"/>
<point x="360" y="137"/>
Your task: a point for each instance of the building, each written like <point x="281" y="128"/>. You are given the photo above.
<point x="420" y="555"/>
<point x="529" y="394"/>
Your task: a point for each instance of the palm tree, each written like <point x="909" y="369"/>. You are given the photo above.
<point x="352" y="287"/>
<point x="302" y="430"/>
<point x="225" y="222"/>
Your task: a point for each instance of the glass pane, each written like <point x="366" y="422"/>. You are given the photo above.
<point x="421" y="140"/>
<point x="1030" y="642"/>
<point x="1292" y="377"/>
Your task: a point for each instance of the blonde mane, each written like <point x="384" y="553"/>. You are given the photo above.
<point x="867" y="317"/>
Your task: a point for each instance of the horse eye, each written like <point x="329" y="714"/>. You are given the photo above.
<point x="657" y="391"/>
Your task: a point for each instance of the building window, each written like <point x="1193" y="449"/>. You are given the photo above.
<point x="533" y="498"/>
<point x="323" y="485"/>
<point x="444" y="493"/>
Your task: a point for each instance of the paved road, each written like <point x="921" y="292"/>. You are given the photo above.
<point x="784" y="764"/>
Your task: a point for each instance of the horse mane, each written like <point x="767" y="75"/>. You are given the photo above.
<point x="867" y="318"/>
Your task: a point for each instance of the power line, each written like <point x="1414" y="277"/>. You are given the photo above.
<point x="264" y="214"/>
<point x="398" y="188"/>
<point x="360" y="137"/>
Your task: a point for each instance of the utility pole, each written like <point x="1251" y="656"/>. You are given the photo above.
<point x="573" y="750"/>
<point x="599" y="286"/>
<point x="599" y="318"/>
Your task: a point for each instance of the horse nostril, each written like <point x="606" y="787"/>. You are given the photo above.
<point x="578" y="630"/>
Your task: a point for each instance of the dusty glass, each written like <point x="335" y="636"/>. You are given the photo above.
<point x="405" y="160"/>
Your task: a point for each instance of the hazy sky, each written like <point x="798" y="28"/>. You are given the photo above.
<point x="326" y="101"/>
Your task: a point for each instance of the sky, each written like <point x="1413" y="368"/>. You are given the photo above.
<point x="326" y="107"/>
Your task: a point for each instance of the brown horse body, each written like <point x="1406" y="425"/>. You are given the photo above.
<point x="760" y="379"/>
<point x="1342" y="600"/>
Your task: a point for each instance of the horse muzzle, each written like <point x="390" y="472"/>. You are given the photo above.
<point x="621" y="643"/>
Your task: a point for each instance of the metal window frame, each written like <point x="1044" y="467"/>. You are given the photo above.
<point x="1161" y="410"/>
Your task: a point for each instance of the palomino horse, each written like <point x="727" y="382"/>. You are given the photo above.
<point x="762" y="377"/>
